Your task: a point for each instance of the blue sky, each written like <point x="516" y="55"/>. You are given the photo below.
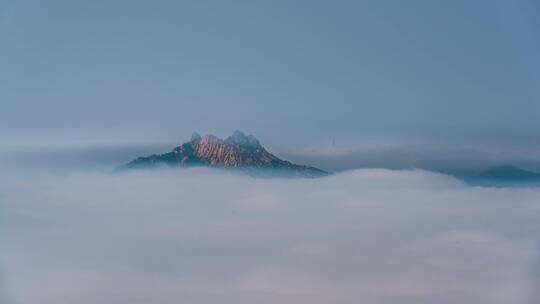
<point x="286" y="71"/>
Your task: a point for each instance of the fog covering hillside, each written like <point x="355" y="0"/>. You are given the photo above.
<point x="205" y="236"/>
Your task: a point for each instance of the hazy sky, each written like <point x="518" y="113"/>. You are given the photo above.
<point x="132" y="71"/>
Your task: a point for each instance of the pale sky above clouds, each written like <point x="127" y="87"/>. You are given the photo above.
<point x="286" y="71"/>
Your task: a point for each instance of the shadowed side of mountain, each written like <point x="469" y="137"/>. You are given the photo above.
<point x="239" y="152"/>
<point x="510" y="173"/>
<point x="500" y="176"/>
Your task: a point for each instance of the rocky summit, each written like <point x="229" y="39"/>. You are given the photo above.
<point x="238" y="151"/>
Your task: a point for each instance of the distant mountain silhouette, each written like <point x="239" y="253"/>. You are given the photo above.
<point x="238" y="151"/>
<point x="508" y="172"/>
<point x="502" y="176"/>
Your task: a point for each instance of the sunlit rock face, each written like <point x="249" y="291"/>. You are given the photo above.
<point x="238" y="151"/>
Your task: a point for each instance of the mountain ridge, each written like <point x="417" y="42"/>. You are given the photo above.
<point x="509" y="172"/>
<point x="238" y="151"/>
<point x="501" y="176"/>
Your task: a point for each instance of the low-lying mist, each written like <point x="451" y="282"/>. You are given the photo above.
<point x="430" y="156"/>
<point x="206" y="236"/>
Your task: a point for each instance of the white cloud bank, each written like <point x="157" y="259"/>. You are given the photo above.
<point x="200" y="236"/>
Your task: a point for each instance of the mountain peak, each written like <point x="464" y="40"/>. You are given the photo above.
<point x="240" y="151"/>
<point x="195" y="137"/>
<point x="212" y="138"/>
<point x="240" y="139"/>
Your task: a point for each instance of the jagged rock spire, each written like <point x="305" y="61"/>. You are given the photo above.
<point x="239" y="138"/>
<point x="195" y="137"/>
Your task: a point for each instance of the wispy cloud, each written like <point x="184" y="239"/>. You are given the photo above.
<point x="429" y="155"/>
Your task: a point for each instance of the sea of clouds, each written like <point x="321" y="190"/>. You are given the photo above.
<point x="206" y="236"/>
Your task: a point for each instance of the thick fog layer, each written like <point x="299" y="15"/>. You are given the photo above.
<point x="204" y="236"/>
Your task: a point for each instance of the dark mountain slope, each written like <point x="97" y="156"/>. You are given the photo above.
<point x="502" y="176"/>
